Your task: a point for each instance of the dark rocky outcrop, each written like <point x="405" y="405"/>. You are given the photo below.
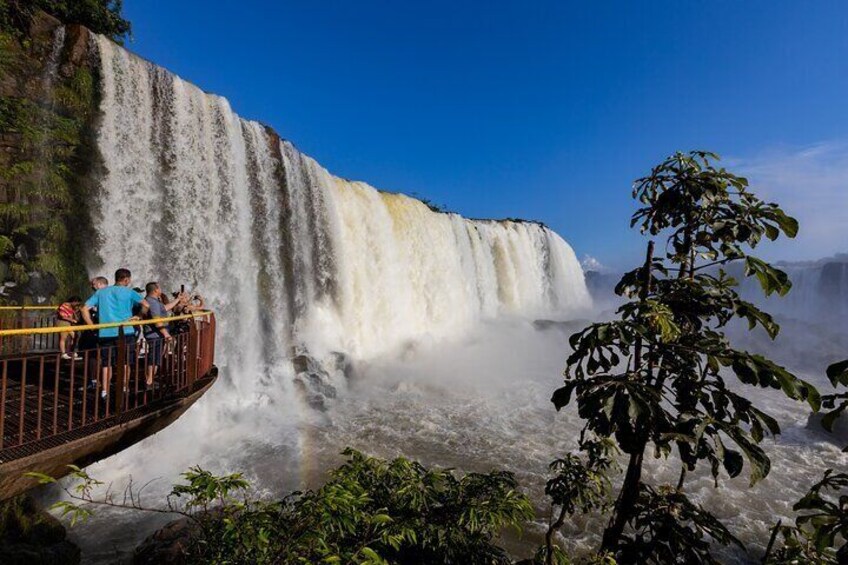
<point x="839" y="435"/>
<point x="315" y="378"/>
<point x="169" y="544"/>
<point x="30" y="536"/>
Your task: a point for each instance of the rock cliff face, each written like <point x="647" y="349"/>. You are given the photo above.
<point x="48" y="108"/>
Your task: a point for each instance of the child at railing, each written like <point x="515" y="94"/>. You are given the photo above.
<point x="68" y="314"/>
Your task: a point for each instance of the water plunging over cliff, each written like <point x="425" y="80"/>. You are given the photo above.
<point x="289" y="254"/>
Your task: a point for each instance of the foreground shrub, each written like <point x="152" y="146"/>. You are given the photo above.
<point x="370" y="511"/>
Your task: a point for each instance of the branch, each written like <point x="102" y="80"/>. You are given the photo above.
<point x="714" y="263"/>
<point x="135" y="503"/>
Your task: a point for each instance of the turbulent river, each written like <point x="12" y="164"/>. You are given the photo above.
<point x="433" y="312"/>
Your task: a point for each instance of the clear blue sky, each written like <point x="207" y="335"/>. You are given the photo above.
<point x="536" y="109"/>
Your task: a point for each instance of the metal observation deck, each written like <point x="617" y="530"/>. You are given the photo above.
<point x="53" y="411"/>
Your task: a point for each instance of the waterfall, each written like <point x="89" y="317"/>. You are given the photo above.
<point x="48" y="80"/>
<point x="288" y="255"/>
<point x="51" y="67"/>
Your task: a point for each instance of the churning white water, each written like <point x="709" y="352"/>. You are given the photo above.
<point x="434" y="310"/>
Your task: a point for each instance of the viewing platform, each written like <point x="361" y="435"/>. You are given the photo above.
<point x="53" y="411"/>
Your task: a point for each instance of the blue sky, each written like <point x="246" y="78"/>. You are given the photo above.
<point x="537" y="109"/>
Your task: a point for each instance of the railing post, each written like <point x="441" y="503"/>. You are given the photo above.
<point x="22" y="325"/>
<point x="212" y="338"/>
<point x="3" y="405"/>
<point x="121" y="369"/>
<point x="23" y="400"/>
<point x="193" y="337"/>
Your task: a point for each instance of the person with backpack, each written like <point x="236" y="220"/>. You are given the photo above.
<point x="67" y="315"/>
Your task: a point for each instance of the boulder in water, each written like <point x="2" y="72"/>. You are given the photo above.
<point x="316" y="378"/>
<point x="840" y="428"/>
<point x="169" y="544"/>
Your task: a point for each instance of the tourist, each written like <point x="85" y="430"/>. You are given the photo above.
<point x="156" y="334"/>
<point x="67" y="315"/>
<point x="187" y="304"/>
<point x="99" y="282"/>
<point x="193" y="304"/>
<point x="197" y="304"/>
<point x="88" y="338"/>
<point x="115" y="304"/>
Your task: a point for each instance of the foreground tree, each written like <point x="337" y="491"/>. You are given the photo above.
<point x="654" y="380"/>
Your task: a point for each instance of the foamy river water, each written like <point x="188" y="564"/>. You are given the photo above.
<point x="477" y="404"/>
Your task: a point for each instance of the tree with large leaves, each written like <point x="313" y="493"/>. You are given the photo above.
<point x="656" y="378"/>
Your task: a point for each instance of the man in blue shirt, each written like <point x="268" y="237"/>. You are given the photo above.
<point x="115" y="304"/>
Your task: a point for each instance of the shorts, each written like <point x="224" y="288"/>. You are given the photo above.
<point x="88" y="341"/>
<point x="155" y="348"/>
<point x="109" y="352"/>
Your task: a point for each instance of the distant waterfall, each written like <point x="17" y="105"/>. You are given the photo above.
<point x="819" y="293"/>
<point x="288" y="254"/>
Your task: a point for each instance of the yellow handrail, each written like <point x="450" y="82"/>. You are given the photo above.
<point x="65" y="329"/>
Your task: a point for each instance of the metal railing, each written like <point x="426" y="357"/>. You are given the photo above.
<point x="44" y="396"/>
<point x="25" y="317"/>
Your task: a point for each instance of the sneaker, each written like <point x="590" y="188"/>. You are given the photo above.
<point x="66" y="357"/>
<point x="77" y="357"/>
<point x="103" y="394"/>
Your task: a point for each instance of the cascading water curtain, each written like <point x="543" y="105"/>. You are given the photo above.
<point x="288" y="254"/>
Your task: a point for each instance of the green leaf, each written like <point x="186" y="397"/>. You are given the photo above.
<point x="838" y="373"/>
<point x="381" y="519"/>
<point x="562" y="395"/>
<point x="41" y="478"/>
<point x="829" y="419"/>
<point x="788" y="224"/>
<point x="771" y="232"/>
<point x="371" y="554"/>
<point x="732" y="462"/>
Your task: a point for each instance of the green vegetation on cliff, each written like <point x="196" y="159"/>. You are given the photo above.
<point x="48" y="99"/>
<point x="100" y="16"/>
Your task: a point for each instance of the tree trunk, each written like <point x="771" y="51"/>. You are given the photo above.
<point x="549" y="536"/>
<point x="629" y="493"/>
<point x="625" y="503"/>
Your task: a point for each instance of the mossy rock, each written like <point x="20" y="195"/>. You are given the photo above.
<point x="31" y="536"/>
